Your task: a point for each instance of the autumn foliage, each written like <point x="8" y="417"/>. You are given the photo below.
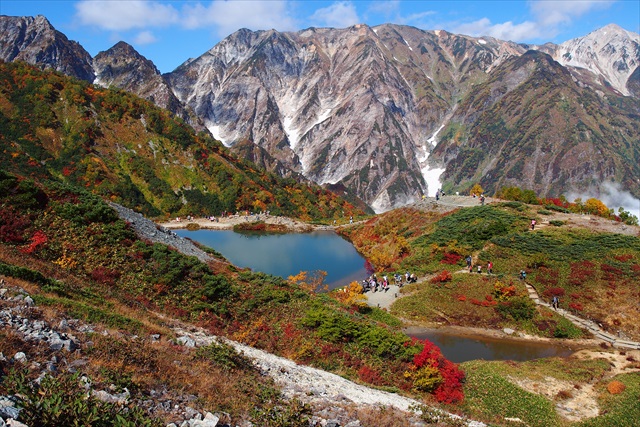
<point x="432" y="372"/>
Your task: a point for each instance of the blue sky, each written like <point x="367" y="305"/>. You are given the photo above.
<point x="170" y="32"/>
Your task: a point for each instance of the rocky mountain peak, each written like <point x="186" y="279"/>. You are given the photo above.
<point x="34" y="40"/>
<point x="610" y="52"/>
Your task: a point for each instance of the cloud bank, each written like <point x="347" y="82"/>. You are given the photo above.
<point x="548" y="18"/>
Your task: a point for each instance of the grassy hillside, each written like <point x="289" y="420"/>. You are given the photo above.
<point x="594" y="273"/>
<point x="80" y="263"/>
<point x="78" y="260"/>
<point x="126" y="149"/>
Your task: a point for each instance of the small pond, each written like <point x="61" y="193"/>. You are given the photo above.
<point x="461" y="348"/>
<point x="287" y="254"/>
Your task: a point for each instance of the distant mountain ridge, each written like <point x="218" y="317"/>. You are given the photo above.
<point x="380" y="110"/>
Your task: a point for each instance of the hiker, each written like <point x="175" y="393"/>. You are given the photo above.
<point x="482" y="200"/>
<point x="479" y="269"/>
<point x="489" y="267"/>
<point x="533" y="224"/>
<point x="523" y="275"/>
<point x="555" y="302"/>
<point x="413" y="278"/>
<point x="468" y="261"/>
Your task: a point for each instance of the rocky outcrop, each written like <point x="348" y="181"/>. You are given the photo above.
<point x="124" y="68"/>
<point x="35" y="41"/>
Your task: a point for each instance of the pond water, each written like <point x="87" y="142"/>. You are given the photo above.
<point x="459" y="348"/>
<point x="287" y="254"/>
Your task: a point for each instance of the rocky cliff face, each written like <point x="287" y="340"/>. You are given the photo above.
<point x="354" y="106"/>
<point x="35" y="41"/>
<point x="123" y="67"/>
<point x="363" y="108"/>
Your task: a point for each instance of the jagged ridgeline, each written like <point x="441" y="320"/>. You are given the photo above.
<point x="127" y="150"/>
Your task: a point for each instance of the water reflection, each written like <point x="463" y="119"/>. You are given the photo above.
<point x="460" y="349"/>
<point x="287" y="254"/>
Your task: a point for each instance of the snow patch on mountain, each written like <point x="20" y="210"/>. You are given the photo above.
<point x="218" y="132"/>
<point x="431" y="175"/>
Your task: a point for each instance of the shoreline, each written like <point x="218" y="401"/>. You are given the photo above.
<point x="410" y="328"/>
<point x="228" y="222"/>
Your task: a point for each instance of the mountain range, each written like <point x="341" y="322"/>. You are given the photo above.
<point x="391" y="112"/>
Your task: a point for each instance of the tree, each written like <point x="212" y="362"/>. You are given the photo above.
<point x="595" y="206"/>
<point x="477" y="190"/>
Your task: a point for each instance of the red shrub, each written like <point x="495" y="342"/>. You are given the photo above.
<point x="450" y="390"/>
<point x="450" y="258"/>
<point x="609" y="272"/>
<point x="624" y="258"/>
<point x="105" y="275"/>
<point x="12" y="226"/>
<point x="576" y="306"/>
<point x="547" y="276"/>
<point x="553" y="292"/>
<point x="37" y="240"/>
<point x="443" y="277"/>
<point x="575" y="296"/>
<point x="462" y="298"/>
<point x="370" y="375"/>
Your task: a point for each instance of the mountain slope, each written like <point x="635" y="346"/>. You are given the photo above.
<point x="123" y="67"/>
<point x="362" y="108"/>
<point x="130" y="151"/>
<point x="532" y="125"/>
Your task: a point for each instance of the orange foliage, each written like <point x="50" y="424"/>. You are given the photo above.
<point x="615" y="387"/>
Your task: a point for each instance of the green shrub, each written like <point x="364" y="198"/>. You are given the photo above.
<point x="518" y="308"/>
<point x="557" y="208"/>
<point x="545" y="212"/>
<point x="566" y="329"/>
<point x="47" y="284"/>
<point x="224" y="356"/>
<point x="62" y="401"/>
<point x="557" y="223"/>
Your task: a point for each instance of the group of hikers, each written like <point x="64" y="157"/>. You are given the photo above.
<point x="478" y="266"/>
<point x="373" y="284"/>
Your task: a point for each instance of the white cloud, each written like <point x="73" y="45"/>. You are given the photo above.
<point x="145" y="37"/>
<point x="386" y="8"/>
<point x="612" y="195"/>
<point x="125" y="15"/>
<point x="551" y="14"/>
<point x="337" y="15"/>
<point x="548" y="18"/>
<point x="505" y="31"/>
<point x="230" y="16"/>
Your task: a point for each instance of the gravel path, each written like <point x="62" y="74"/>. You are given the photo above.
<point x="148" y="230"/>
<point x="313" y="385"/>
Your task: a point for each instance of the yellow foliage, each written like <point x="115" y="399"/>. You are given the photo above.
<point x="477" y="190"/>
<point x="595" y="206"/>
<point x="311" y="282"/>
<point x="425" y="379"/>
<point x="66" y="261"/>
<point x="352" y="294"/>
